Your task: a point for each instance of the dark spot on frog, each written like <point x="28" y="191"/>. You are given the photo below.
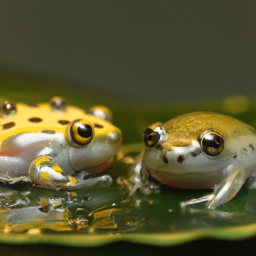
<point x="35" y="120"/>
<point x="234" y="156"/>
<point x="54" y="154"/>
<point x="196" y="153"/>
<point x="251" y="146"/>
<point x="245" y="149"/>
<point x="99" y="126"/>
<point x="8" y="125"/>
<point x="164" y="158"/>
<point x="159" y="147"/>
<point x="48" y="131"/>
<point x="180" y="159"/>
<point x="63" y="122"/>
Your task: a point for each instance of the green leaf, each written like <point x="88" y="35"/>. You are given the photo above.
<point x="100" y="216"/>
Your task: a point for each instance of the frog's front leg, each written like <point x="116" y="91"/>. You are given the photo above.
<point x="138" y="177"/>
<point x="228" y="188"/>
<point x="138" y="171"/>
<point x="43" y="171"/>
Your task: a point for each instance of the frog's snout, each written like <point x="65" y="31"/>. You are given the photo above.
<point x="114" y="137"/>
<point x="100" y="149"/>
<point x="111" y="141"/>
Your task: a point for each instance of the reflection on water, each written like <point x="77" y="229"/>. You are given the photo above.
<point x="31" y="210"/>
<point x="61" y="211"/>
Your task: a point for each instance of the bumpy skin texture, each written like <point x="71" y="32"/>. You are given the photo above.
<point x="178" y="159"/>
<point x="35" y="147"/>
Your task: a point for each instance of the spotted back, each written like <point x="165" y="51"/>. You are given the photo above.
<point x="43" y="117"/>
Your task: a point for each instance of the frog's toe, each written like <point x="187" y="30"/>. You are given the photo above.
<point x="207" y="198"/>
<point x="102" y="181"/>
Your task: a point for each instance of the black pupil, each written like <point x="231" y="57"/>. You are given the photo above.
<point x="212" y="141"/>
<point x="150" y="137"/>
<point x="84" y="130"/>
<point x="212" y="144"/>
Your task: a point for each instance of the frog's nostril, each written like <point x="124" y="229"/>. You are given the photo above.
<point x="63" y="122"/>
<point x="99" y="126"/>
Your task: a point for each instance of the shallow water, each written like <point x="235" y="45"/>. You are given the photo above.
<point x="109" y="210"/>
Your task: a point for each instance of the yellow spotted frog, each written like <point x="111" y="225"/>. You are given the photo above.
<point x="199" y="150"/>
<point x="56" y="145"/>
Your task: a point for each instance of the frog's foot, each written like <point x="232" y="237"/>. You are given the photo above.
<point x="44" y="172"/>
<point x="137" y="177"/>
<point x="224" y="192"/>
<point x="101" y="181"/>
<point x="145" y="188"/>
<point x="128" y="185"/>
<point x="196" y="201"/>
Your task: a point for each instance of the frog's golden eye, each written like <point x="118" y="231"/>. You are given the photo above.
<point x="79" y="132"/>
<point x="151" y="138"/>
<point x="212" y="143"/>
<point x="8" y="109"/>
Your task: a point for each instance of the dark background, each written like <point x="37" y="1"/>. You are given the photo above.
<point x="141" y="50"/>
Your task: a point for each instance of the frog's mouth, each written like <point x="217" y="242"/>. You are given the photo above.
<point x="97" y="168"/>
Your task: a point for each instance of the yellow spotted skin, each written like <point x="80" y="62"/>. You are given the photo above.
<point x="72" y="181"/>
<point x="56" y="168"/>
<point x="27" y="119"/>
<point x="39" y="161"/>
<point x="45" y="175"/>
<point x="55" y="144"/>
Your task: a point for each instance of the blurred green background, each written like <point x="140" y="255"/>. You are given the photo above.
<point x="140" y="50"/>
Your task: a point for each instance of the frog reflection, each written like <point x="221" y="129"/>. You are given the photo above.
<point x="90" y="209"/>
